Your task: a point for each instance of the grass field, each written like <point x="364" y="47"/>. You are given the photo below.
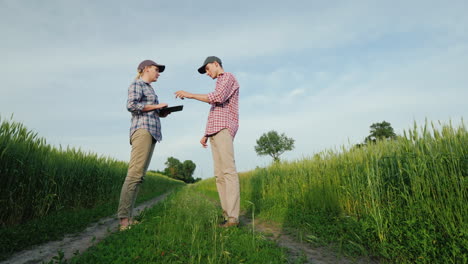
<point x="183" y="229"/>
<point x="48" y="192"/>
<point x="404" y="201"/>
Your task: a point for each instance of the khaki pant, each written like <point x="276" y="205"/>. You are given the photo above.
<point x="142" y="150"/>
<point x="227" y="180"/>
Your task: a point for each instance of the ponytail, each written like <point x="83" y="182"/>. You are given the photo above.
<point x="139" y="74"/>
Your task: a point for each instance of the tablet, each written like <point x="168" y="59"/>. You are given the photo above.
<point x="170" y="109"/>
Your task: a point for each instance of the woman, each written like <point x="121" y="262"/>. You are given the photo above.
<point x="144" y="133"/>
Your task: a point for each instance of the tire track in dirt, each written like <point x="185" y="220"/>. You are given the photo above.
<point x="296" y="250"/>
<point x="76" y="243"/>
<point x="300" y="250"/>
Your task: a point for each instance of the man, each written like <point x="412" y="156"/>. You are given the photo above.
<point x="221" y="128"/>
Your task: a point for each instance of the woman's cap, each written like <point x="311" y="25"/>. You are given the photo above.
<point x="209" y="59"/>
<point x="147" y="63"/>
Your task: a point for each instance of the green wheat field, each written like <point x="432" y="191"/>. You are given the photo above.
<point x="395" y="201"/>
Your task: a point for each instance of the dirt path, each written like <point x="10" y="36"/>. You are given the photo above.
<point x="71" y="244"/>
<point x="300" y="250"/>
<point x="297" y="250"/>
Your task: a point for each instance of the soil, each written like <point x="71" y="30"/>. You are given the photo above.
<point x="300" y="251"/>
<point x="75" y="243"/>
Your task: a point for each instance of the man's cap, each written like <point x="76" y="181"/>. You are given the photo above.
<point x="209" y="59"/>
<point x="147" y="63"/>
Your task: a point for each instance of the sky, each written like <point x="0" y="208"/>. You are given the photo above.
<point x="319" y="71"/>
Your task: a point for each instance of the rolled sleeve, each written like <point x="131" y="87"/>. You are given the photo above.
<point x="212" y="97"/>
<point x="134" y="104"/>
<point x="223" y="91"/>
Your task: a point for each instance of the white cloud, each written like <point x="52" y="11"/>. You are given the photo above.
<point x="296" y="92"/>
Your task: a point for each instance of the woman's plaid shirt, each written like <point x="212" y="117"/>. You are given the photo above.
<point x="140" y="94"/>
<point x="224" y="112"/>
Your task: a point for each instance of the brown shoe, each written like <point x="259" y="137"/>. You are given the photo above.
<point x="230" y="222"/>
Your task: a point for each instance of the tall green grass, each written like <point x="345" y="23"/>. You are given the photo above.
<point x="405" y="201"/>
<point x="38" y="179"/>
<point x="46" y="192"/>
<point x="184" y="229"/>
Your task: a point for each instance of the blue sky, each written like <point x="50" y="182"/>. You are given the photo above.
<point x="320" y="72"/>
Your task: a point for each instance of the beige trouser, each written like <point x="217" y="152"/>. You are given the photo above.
<point x="142" y="150"/>
<point x="227" y="180"/>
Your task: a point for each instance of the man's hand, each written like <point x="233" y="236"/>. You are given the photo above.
<point x="203" y="142"/>
<point x="199" y="97"/>
<point x="183" y="94"/>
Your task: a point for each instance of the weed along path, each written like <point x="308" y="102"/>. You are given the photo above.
<point x="76" y="243"/>
<point x="300" y="251"/>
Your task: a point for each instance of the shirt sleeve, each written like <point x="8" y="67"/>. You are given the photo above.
<point x="223" y="91"/>
<point x="135" y="93"/>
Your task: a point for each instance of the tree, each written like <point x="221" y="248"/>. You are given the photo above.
<point x="379" y="131"/>
<point x="188" y="167"/>
<point x="273" y="144"/>
<point x="173" y="168"/>
<point x="180" y="171"/>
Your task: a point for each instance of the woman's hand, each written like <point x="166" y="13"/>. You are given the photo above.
<point x="148" y="108"/>
<point x="161" y="105"/>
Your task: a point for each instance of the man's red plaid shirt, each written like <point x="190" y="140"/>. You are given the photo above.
<point x="224" y="112"/>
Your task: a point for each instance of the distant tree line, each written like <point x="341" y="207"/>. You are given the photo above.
<point x="180" y="170"/>
<point x="274" y="144"/>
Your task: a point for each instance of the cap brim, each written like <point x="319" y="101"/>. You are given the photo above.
<point x="161" y="67"/>
<point x="202" y="70"/>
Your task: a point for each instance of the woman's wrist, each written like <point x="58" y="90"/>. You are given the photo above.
<point x="148" y="108"/>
